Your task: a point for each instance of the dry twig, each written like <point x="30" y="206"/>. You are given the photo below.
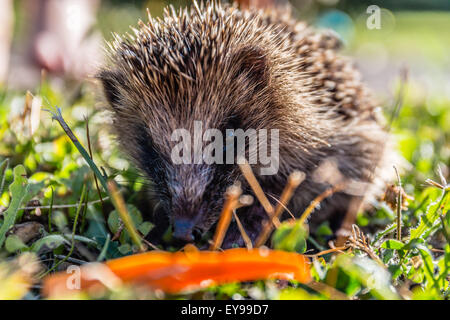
<point x="231" y="201"/>
<point x="256" y="187"/>
<point x="294" y="181"/>
<point x="359" y="241"/>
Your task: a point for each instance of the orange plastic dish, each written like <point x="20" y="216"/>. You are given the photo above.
<point x="183" y="271"/>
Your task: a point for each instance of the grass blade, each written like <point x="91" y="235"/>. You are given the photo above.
<point x="19" y="190"/>
<point x="50" y="212"/>
<point x="102" y="254"/>
<point x="74" y="228"/>
<point x="56" y="115"/>
<point x="120" y="206"/>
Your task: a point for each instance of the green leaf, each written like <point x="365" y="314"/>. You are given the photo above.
<point x="290" y="237"/>
<point x="444" y="267"/>
<point x="370" y="274"/>
<point x="82" y="239"/>
<point x="3" y="167"/>
<point x="298" y="294"/>
<point x="52" y="242"/>
<point x="381" y="234"/>
<point x="413" y="243"/>
<point x="324" y="230"/>
<point x="125" y="249"/>
<point x="114" y="222"/>
<point x="59" y="219"/>
<point x="228" y="289"/>
<point x="145" y="227"/>
<point x="13" y="243"/>
<point x="395" y="270"/>
<point x="387" y="255"/>
<point x="33" y="190"/>
<point x="19" y="190"/>
<point x="429" y="219"/>
<point x="112" y="250"/>
<point x="392" y="244"/>
<point x="428" y="267"/>
<point x="96" y="230"/>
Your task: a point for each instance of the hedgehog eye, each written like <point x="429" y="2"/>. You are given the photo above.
<point x="234" y="122"/>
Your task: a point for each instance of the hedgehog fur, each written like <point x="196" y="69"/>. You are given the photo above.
<point x="233" y="68"/>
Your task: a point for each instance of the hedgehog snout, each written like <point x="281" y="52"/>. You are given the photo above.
<point x="186" y="210"/>
<point x="183" y="229"/>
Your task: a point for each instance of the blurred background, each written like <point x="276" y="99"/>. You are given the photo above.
<point x="65" y="37"/>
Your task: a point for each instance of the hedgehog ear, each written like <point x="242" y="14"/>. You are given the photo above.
<point x="253" y="63"/>
<point x="110" y="82"/>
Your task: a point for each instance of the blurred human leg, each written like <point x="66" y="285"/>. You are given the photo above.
<point x="6" y="17"/>
<point x="63" y="45"/>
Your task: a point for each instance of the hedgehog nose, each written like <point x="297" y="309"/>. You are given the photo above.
<point x="183" y="230"/>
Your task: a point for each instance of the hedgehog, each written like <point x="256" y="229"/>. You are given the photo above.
<point x="233" y="68"/>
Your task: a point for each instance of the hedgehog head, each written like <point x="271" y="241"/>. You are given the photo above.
<point x="194" y="66"/>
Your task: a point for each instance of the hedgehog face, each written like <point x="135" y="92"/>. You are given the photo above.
<point x="232" y="69"/>
<point x="176" y="72"/>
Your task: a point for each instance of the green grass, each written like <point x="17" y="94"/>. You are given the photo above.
<point x="416" y="267"/>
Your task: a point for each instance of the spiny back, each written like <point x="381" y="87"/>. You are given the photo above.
<point x="216" y="63"/>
